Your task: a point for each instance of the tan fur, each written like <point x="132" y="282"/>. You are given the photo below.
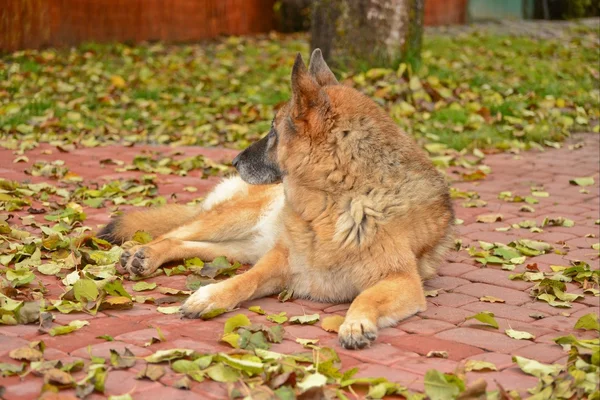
<point x="365" y="215"/>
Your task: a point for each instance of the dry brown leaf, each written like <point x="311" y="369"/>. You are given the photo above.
<point x="25" y="353"/>
<point x="437" y="354"/>
<point x="332" y="324"/>
<point x="491" y="299"/>
<point x="489" y="218"/>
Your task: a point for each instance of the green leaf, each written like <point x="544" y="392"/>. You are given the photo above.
<point x="49" y="269"/>
<point x="232" y="338"/>
<point x="312" y="381"/>
<point x="85" y="289"/>
<point x="305" y="319"/>
<point x="438" y="387"/>
<point x="141" y="286"/>
<point x="250" y="364"/>
<point x="519" y="335"/>
<point x="168" y="309"/>
<point x="535" y="368"/>
<point x="219" y="266"/>
<point x="166" y="355"/>
<point x="486" y="317"/>
<point x="257" y="310"/>
<point x="63" y="330"/>
<point x="235" y="322"/>
<point x="223" y="373"/>
<point x="115" y="288"/>
<point x="214" y="313"/>
<point x="185" y="366"/>
<point x="252" y="341"/>
<point x="588" y="322"/>
<point x="585" y="181"/>
<point x="142" y="237"/>
<point x="278" y="318"/>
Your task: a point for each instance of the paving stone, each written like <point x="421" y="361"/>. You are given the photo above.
<point x="103" y="350"/>
<point x="423" y="344"/>
<point x="504" y="324"/>
<point x="425" y="326"/>
<point x="510" y="379"/>
<point x="377" y="353"/>
<point x="398" y="354"/>
<point x="507" y="311"/>
<point x="496" y="277"/>
<point x="510" y="296"/>
<point x="455" y="269"/>
<point x="421" y="365"/>
<point x="445" y="282"/>
<point x="8" y="343"/>
<point x="120" y="382"/>
<point x="500" y="360"/>
<point x="389" y="372"/>
<point x="542" y="352"/>
<point x="448" y="314"/>
<point x="492" y="341"/>
<point x="16" y="389"/>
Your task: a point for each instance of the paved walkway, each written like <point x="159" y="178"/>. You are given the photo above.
<point x="400" y="353"/>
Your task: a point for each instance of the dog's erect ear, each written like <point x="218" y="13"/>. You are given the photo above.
<point x="319" y="69"/>
<point x="306" y="92"/>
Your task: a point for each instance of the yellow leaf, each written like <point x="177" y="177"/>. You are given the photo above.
<point x="118" y="81"/>
<point x="332" y="324"/>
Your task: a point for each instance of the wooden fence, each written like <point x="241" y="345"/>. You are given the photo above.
<point x="56" y="23"/>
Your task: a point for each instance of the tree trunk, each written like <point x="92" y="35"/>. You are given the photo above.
<point x="367" y="33"/>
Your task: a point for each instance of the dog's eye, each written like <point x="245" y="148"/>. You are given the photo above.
<point x="272" y="133"/>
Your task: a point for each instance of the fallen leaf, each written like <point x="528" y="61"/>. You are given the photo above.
<point x="235" y="322"/>
<point x="305" y="319"/>
<point x="332" y="324"/>
<point x="489" y="218"/>
<point x="519" y="335"/>
<point x="585" y="181"/>
<point x="588" y="322"/>
<point x="475" y="365"/>
<point x="168" y="309"/>
<point x="437" y="354"/>
<point x="537" y="369"/>
<point x="71" y="327"/>
<point x="25" y="353"/>
<point x="141" y="286"/>
<point x="486" y="317"/>
<point x="491" y="299"/>
<point x="278" y="318"/>
<point x="257" y="310"/>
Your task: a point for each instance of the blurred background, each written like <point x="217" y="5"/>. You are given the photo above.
<point x="27" y="24"/>
<point x="456" y="74"/>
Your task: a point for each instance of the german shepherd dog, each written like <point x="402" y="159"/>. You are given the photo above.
<point x="336" y="203"/>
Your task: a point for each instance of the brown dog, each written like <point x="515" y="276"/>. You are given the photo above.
<point x="335" y="203"/>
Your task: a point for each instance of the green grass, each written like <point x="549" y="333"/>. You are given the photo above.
<point x="483" y="90"/>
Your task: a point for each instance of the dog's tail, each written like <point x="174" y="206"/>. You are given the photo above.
<point x="155" y="221"/>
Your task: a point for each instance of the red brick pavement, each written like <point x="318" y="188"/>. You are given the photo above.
<point x="400" y="352"/>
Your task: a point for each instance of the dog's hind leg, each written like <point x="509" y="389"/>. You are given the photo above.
<point x="144" y="260"/>
<point x="383" y="304"/>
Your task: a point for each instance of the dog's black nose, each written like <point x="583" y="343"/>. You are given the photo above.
<point x="236" y="160"/>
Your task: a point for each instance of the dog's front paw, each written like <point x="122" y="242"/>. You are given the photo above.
<point x="139" y="261"/>
<point x="357" y="333"/>
<point x="206" y="299"/>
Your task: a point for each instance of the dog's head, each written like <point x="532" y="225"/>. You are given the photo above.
<point x="265" y="161"/>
